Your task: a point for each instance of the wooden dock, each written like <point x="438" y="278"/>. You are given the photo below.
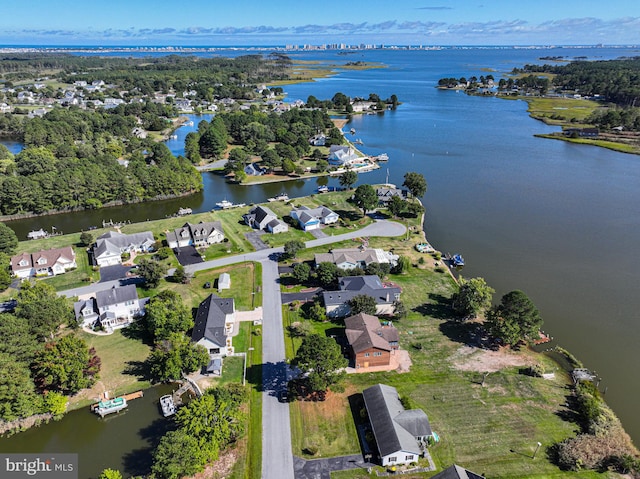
<point x="127" y="397"/>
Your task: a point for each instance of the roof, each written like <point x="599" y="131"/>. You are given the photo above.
<point x="457" y="472"/>
<point x="261" y="212"/>
<point x="204" y="229"/>
<point x="114" y="242"/>
<point x="389" y="421"/>
<point x="352" y="256"/>
<point x="224" y="281"/>
<point x="50" y="256"/>
<point x="351" y="286"/>
<point x="211" y="318"/>
<point x="364" y="331"/>
<point x="116" y="295"/>
<point x="385" y="194"/>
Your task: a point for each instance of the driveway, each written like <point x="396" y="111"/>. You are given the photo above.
<point x="112" y="273"/>
<point x="188" y="255"/>
<point x="256" y="241"/>
<point x="306" y="296"/>
<point x="318" y="233"/>
<point x="322" y="468"/>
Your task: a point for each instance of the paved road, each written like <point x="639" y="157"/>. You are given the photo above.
<point x="277" y="458"/>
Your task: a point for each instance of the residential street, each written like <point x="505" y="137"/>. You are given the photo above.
<point x="277" y="456"/>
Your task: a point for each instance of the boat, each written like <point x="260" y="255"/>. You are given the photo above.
<point x="109" y="406"/>
<point x="322" y="189"/>
<point x="425" y="248"/>
<point x="224" y="204"/>
<point x="352" y="131"/>
<point x="457" y="260"/>
<point x="281" y="197"/>
<point x="173" y="137"/>
<point x="38" y="234"/>
<point x="167" y="405"/>
<point x="358" y="142"/>
<point x="184" y="211"/>
<point x="190" y="123"/>
<point x="382" y="157"/>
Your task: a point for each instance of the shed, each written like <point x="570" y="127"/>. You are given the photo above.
<point x="224" y="281"/>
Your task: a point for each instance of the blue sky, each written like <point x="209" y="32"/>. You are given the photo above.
<point x="252" y="22"/>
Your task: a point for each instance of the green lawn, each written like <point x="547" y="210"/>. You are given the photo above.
<point x="75" y="278"/>
<point x="562" y="109"/>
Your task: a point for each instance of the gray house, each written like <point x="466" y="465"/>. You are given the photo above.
<point x="198" y="235"/>
<point x="110" y="246"/>
<point x="336" y="302"/>
<point x="214" y="325"/>
<point x="400" y="434"/>
<point x="262" y="218"/>
<point x="111" y="308"/>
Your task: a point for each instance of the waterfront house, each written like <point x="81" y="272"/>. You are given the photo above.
<point x="199" y="235"/>
<point x="362" y="106"/>
<point x="370" y="342"/>
<point x="311" y="219"/>
<point x="253" y="169"/>
<point x="385" y="194"/>
<point x="401" y="435"/>
<point x="49" y="262"/>
<point x="457" y="472"/>
<point x="336" y="302"/>
<point x="318" y="140"/>
<point x="262" y="218"/>
<point x="350" y="258"/>
<point x="340" y="155"/>
<point x="214" y="325"/>
<point x="111" y="308"/>
<point x="110" y="246"/>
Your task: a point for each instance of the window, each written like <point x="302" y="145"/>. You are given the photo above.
<point x="409" y="458"/>
<point x="393" y="459"/>
<point x="377" y="354"/>
<point x="366" y="355"/>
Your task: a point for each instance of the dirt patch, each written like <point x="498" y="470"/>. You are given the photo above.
<point x="221" y="468"/>
<point x="468" y="358"/>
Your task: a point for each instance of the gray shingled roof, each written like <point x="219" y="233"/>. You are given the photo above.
<point x="115" y="242"/>
<point x="457" y="472"/>
<point x="388" y="420"/>
<point x="116" y="295"/>
<point x="210" y="319"/>
<point x="351" y="286"/>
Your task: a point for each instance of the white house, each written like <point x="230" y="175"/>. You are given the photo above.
<point x="311" y="219"/>
<point x="111" y="308"/>
<point x="198" y="235"/>
<point x="44" y="263"/>
<point x="262" y="218"/>
<point x="401" y="435"/>
<point x="340" y="155"/>
<point x="350" y="258"/>
<point x="110" y="246"/>
<point x="214" y="325"/>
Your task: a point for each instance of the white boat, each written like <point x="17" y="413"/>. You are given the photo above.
<point x="167" y="405"/>
<point x="173" y="137"/>
<point x="184" y="211"/>
<point x="281" y="197"/>
<point x="322" y="189"/>
<point x="224" y="204"/>
<point x="382" y="157"/>
<point x="109" y="406"/>
<point x="38" y="234"/>
<point x="190" y="123"/>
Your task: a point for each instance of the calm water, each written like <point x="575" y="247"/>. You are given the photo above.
<point x="123" y="441"/>
<point x="559" y="221"/>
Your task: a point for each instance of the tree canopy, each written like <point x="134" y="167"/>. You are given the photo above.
<point x="415" y="183"/>
<point x="362" y="303"/>
<point x="473" y="297"/>
<point x="322" y="358"/>
<point x="515" y="319"/>
<point x="365" y="198"/>
<point x="8" y="240"/>
<point x="165" y="314"/>
<point x="348" y="178"/>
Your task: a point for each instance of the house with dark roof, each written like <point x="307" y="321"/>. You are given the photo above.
<point x="214" y="325"/>
<point x="111" y="308"/>
<point x="336" y="302"/>
<point x="401" y="435"/>
<point x="49" y="262"/>
<point x="370" y="342"/>
<point x="110" y="246"/>
<point x="385" y="194"/>
<point x="199" y="235"/>
<point x="457" y="472"/>
<point x="262" y="218"/>
<point x="312" y="218"/>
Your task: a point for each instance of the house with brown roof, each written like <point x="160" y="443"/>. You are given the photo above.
<point x="370" y="342"/>
<point x="49" y="262"/>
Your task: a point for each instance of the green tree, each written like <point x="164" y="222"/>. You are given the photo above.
<point x="415" y="209"/>
<point x="322" y="165"/>
<point x="403" y="265"/>
<point x="43" y="309"/>
<point x="365" y="198"/>
<point x="8" y="240"/>
<point x="301" y="272"/>
<point x="362" y="303"/>
<point x="317" y="312"/>
<point x="110" y="474"/>
<point x="178" y="454"/>
<point x="288" y="166"/>
<point x="55" y="403"/>
<point x="322" y="358"/>
<point x="152" y="272"/>
<point x="86" y="238"/>
<point x="327" y="274"/>
<point x="399" y="310"/>
<point x="291" y="248"/>
<point x="515" y="319"/>
<point x="16" y="338"/>
<point x="415" y="183"/>
<point x="396" y="206"/>
<point x="18" y="397"/>
<point x="165" y="314"/>
<point x="175" y="355"/>
<point x="66" y="365"/>
<point x="5" y="274"/>
<point x="348" y="179"/>
<point x="473" y="297"/>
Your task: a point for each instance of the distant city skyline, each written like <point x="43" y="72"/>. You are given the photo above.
<point x="249" y="22"/>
